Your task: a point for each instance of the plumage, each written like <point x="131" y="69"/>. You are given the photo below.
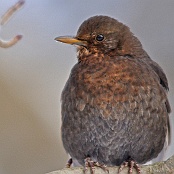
<point x="114" y="104"/>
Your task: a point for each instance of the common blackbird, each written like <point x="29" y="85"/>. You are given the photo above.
<point x="114" y="104"/>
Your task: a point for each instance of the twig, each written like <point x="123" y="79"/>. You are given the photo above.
<point x="165" y="167"/>
<point x="5" y="18"/>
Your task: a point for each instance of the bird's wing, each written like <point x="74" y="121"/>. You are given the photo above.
<point x="162" y="77"/>
<point x="160" y="73"/>
<point x="164" y="83"/>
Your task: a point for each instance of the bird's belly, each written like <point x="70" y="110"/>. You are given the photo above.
<point x="113" y="114"/>
<point x="112" y="132"/>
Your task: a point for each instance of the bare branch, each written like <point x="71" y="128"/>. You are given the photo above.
<point x="4" y="19"/>
<point x="165" y="167"/>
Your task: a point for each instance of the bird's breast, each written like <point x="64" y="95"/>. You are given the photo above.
<point x="111" y="86"/>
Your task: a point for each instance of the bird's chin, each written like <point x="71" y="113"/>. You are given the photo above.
<point x="82" y="51"/>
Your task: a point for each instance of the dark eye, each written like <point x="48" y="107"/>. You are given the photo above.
<point x="99" y="37"/>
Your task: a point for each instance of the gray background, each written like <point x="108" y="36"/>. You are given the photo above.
<point x="33" y="72"/>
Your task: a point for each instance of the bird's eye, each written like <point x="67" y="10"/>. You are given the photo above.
<point x="99" y="37"/>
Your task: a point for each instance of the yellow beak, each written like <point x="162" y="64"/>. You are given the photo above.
<point x="71" y="40"/>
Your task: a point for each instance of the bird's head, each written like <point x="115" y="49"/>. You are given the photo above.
<point x="102" y="34"/>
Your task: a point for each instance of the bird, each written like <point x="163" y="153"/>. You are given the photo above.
<point x="114" y="106"/>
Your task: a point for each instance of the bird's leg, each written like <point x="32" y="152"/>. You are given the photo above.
<point x="5" y="18"/>
<point x="69" y="163"/>
<point x="130" y="164"/>
<point x="91" y="164"/>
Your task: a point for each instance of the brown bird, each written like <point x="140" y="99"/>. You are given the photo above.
<point x="114" y="104"/>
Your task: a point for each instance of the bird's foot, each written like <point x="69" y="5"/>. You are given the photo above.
<point x="69" y="163"/>
<point x="130" y="164"/>
<point x="91" y="164"/>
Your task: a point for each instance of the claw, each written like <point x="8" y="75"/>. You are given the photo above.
<point x="91" y="164"/>
<point x="69" y="163"/>
<point x="102" y="166"/>
<point x="131" y="164"/>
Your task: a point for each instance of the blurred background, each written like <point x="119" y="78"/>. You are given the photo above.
<point x="33" y="72"/>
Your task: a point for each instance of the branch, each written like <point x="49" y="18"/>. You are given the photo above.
<point x="164" y="167"/>
<point x="4" y="19"/>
